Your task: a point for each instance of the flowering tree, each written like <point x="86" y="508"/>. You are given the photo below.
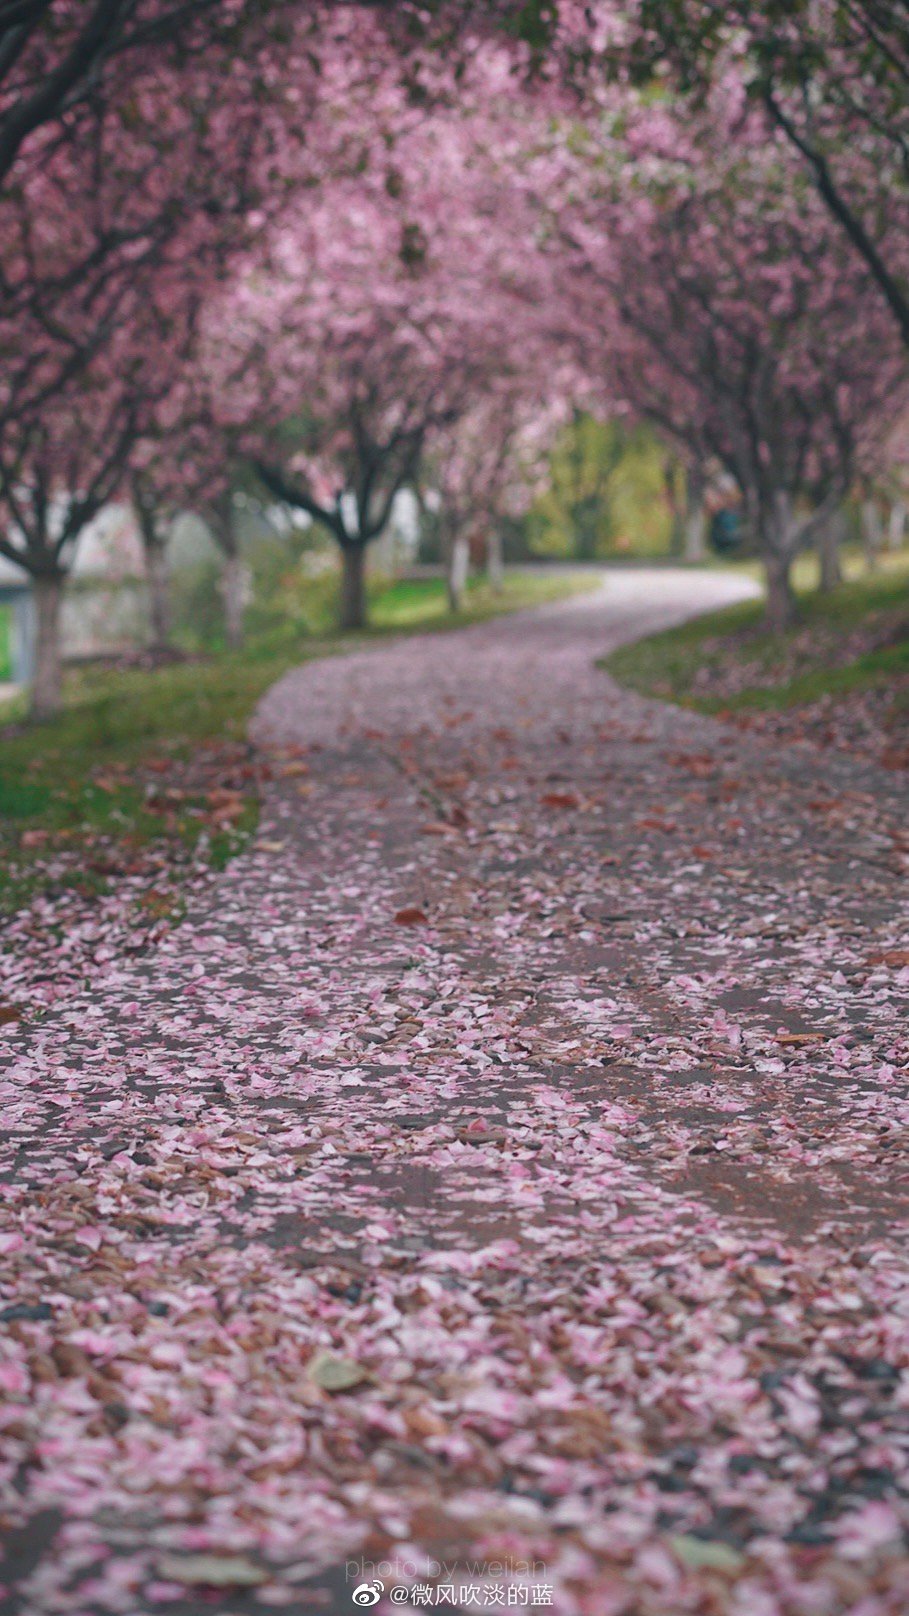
<point x="122" y="214"/>
<point x="179" y="146"/>
<point x="833" y="80"/>
<point x="146" y="183"/>
<point x="145" y="112"/>
<point x="108" y="245"/>
<point x="487" y="467"/>
<point x="187" y="460"/>
<point x="60" y="465"/>
<point x="149" y="141"/>
<point x="375" y="401"/>
<point x="701" y="273"/>
<point x="57" y="59"/>
<point x="55" y="478"/>
<point x="420" y="287"/>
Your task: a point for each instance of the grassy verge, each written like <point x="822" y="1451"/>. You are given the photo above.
<point x="153" y="762"/>
<point x="855" y="639"/>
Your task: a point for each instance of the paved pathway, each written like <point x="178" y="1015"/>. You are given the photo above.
<point x="508" y="1165"/>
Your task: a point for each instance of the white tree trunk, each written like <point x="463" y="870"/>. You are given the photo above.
<point x="695" y="526"/>
<point x="780" y="598"/>
<point x="232" y="585"/>
<point x="828" y="551"/>
<point x="495" y="559"/>
<point x="896" y="526"/>
<point x="778" y="545"/>
<point x="47" y="683"/>
<point x="676" y="507"/>
<point x="871" y="532"/>
<point x="458" y="568"/>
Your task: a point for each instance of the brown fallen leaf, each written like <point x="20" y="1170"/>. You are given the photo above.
<point x="560" y="799"/>
<point x="701" y="764"/>
<point x="484" y="1136"/>
<point x="225" y="797"/>
<point x="711" y="1259"/>
<point x="411" y="916"/>
<point x="8" y="1013"/>
<point x="70" y="1360"/>
<point x="896" y="958"/>
<point x="801" y="1038"/>
<point x="42" y="1368"/>
<point x="422" y="1421"/>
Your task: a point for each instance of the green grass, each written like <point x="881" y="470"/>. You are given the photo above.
<point x="423" y="603"/>
<point x="786" y="670"/>
<point x="79" y="780"/>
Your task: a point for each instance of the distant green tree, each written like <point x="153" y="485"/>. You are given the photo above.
<point x="607" y="495"/>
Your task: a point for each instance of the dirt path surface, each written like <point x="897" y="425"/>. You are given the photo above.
<point x="509" y="1165"/>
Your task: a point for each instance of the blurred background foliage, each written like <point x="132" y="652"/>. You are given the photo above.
<point x="610" y="494"/>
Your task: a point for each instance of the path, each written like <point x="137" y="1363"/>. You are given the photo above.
<point x="509" y="1164"/>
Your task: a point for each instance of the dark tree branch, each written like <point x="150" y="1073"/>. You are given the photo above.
<point x="846" y="215"/>
<point x="290" y="493"/>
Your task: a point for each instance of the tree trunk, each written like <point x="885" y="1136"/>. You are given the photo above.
<point x="232" y="587"/>
<point x="353" y="586"/>
<point x="22" y="638"/>
<point x="871" y="533"/>
<point x="781" y="612"/>
<point x="458" y="568"/>
<point x="828" y="551"/>
<point x="495" y="559"/>
<point x="153" y="534"/>
<point x="896" y="527"/>
<point x="695" y="515"/>
<point x="158" y="595"/>
<point x="676" y="511"/>
<point x="47" y="683"/>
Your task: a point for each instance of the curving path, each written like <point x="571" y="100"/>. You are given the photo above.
<point x="509" y="1165"/>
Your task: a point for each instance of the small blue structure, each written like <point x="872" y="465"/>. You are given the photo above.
<point x="726" y="530"/>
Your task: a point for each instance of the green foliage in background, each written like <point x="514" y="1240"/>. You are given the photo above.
<point x="608" y="494"/>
